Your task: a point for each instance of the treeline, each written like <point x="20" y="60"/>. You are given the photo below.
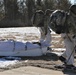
<point x="15" y="13"/>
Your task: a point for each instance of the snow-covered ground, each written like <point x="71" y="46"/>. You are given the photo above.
<point x="20" y="34"/>
<point x="7" y="61"/>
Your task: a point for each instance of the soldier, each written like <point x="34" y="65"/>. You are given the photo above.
<point x="40" y="20"/>
<point x="70" y="38"/>
<point x="65" y="24"/>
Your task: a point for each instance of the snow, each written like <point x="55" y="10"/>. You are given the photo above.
<point x="18" y="34"/>
<point x="59" y="49"/>
<point x="58" y="53"/>
<point x="22" y="32"/>
<point x="4" y="62"/>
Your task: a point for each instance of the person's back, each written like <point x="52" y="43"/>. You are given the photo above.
<point x="72" y="19"/>
<point x="65" y="24"/>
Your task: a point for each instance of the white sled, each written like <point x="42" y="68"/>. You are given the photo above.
<point x="15" y="48"/>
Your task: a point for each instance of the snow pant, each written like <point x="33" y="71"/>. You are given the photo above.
<point x="69" y="52"/>
<point x="45" y="37"/>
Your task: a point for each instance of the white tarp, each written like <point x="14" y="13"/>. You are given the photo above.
<point x="31" y="46"/>
<point x="16" y="48"/>
<point x="6" y="46"/>
<point x="11" y="45"/>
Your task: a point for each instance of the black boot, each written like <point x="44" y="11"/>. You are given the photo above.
<point x="62" y="59"/>
<point x="70" y="67"/>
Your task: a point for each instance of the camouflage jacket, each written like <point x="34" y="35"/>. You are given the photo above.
<point x="66" y="22"/>
<point x="71" y="22"/>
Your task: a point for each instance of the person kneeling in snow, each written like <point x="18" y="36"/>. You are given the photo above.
<point x="65" y="24"/>
<point x="40" y="19"/>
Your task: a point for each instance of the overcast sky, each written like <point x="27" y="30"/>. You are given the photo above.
<point x="72" y="1"/>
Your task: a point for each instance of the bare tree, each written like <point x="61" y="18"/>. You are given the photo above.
<point x="49" y="4"/>
<point x="30" y="6"/>
<point x="63" y="4"/>
<point x="1" y="10"/>
<point x="11" y="9"/>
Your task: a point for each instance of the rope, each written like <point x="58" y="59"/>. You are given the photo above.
<point x="25" y="47"/>
<point x="14" y="46"/>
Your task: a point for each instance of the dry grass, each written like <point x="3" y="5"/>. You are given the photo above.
<point x="57" y="42"/>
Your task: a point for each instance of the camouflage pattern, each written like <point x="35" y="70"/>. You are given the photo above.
<point x="38" y="18"/>
<point x="62" y="22"/>
<point x="65" y="24"/>
<point x="46" y="19"/>
<point x="72" y="20"/>
<point x="57" y="21"/>
<point x="41" y="19"/>
<point x="73" y="9"/>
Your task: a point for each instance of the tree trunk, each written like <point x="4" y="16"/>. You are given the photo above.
<point x="30" y="7"/>
<point x="11" y="9"/>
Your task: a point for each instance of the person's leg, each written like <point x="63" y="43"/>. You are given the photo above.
<point x="48" y="37"/>
<point x="42" y="34"/>
<point x="45" y="40"/>
<point x="69" y="53"/>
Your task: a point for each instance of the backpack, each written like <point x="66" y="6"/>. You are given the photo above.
<point x="73" y="9"/>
